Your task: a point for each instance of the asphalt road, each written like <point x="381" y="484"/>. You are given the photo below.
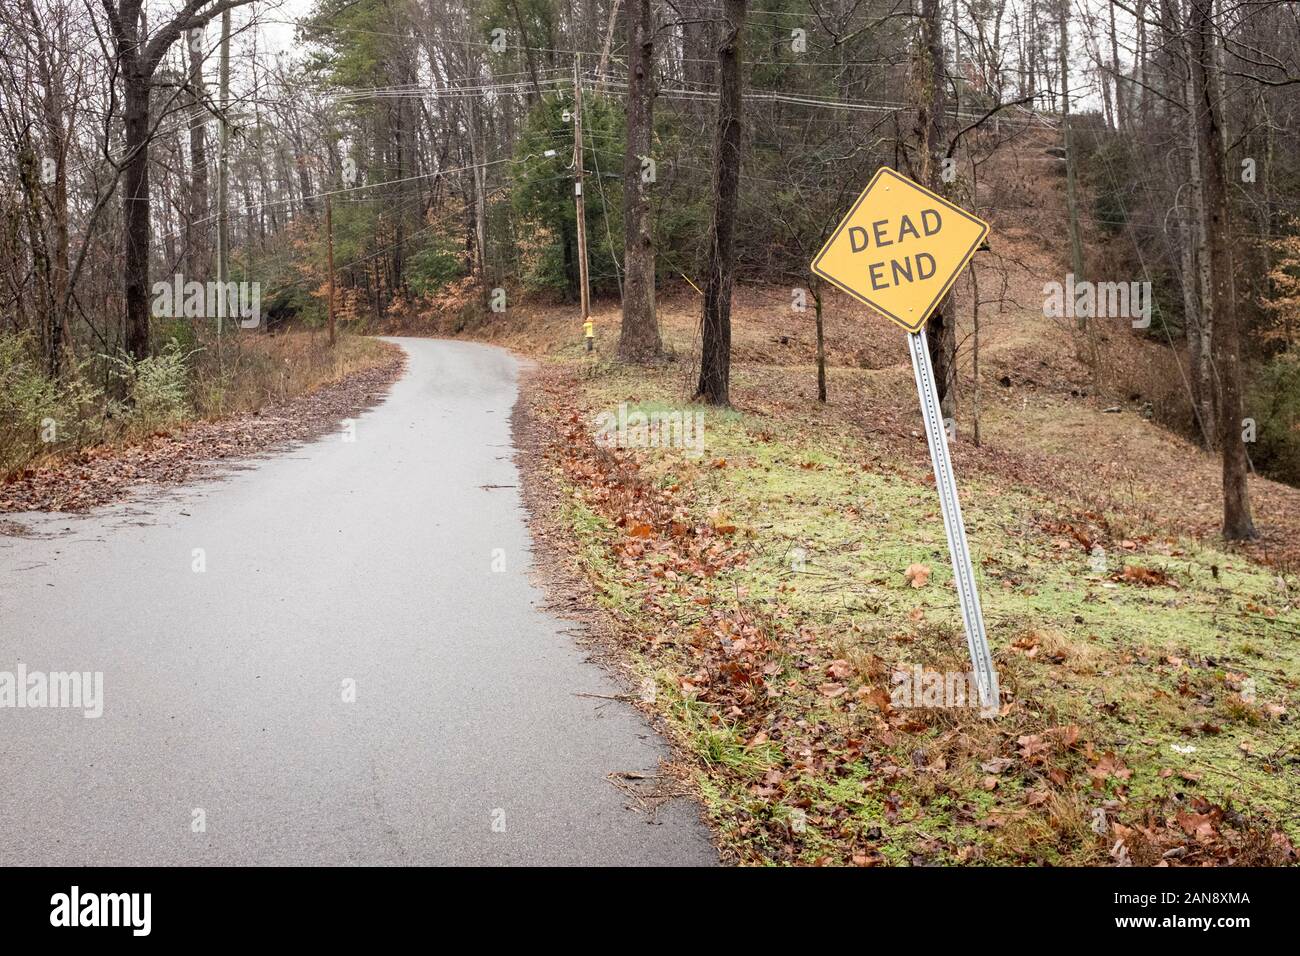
<point x="339" y="564"/>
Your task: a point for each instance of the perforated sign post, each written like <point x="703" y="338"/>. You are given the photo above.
<point x="899" y="250"/>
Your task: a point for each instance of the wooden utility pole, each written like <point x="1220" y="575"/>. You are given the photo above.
<point x="583" y="291"/>
<point x="329" y="260"/>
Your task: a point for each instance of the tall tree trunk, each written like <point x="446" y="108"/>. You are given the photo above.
<point x="927" y="79"/>
<point x="198" y="245"/>
<point x="478" y="179"/>
<point x="1197" y="360"/>
<point x="1237" y="523"/>
<point x="223" y="167"/>
<point x="135" y="211"/>
<point x="1144" y="97"/>
<point x="1121" y="101"/>
<point x="603" y="64"/>
<point x="30" y="176"/>
<point x="1030" y="68"/>
<point x="1071" y="167"/>
<point x="639" y="339"/>
<point x="534" y="94"/>
<point x="60" y="336"/>
<point x="698" y="36"/>
<point x="1200" y="283"/>
<point x="304" y="176"/>
<point x="139" y="52"/>
<point x="715" y="350"/>
<point x="57" y="137"/>
<point x="1201" y="317"/>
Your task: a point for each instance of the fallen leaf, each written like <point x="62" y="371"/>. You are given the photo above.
<point x="1148" y="577"/>
<point x="1199" y="825"/>
<point x="1109" y="766"/>
<point x="839" y="669"/>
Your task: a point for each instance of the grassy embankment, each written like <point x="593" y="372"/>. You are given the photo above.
<point x="1156" y="688"/>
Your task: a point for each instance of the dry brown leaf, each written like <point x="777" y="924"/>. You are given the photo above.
<point x="918" y="575"/>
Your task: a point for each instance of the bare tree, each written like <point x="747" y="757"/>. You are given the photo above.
<point x="715" y="324"/>
<point x="138" y="55"/>
<point x="928" y="90"/>
<point x="639" y="340"/>
<point x="1208" y="109"/>
<point x="198" y="245"/>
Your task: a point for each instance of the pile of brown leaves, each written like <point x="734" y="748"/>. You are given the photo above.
<point x="1195" y="832"/>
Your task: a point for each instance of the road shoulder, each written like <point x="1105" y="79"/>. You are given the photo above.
<point x="571" y="596"/>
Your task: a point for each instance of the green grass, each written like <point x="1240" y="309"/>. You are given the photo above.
<point x="1141" y="670"/>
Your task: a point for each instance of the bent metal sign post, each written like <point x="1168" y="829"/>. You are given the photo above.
<point x="899" y="250"/>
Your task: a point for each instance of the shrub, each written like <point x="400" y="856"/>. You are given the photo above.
<point x="157" y="386"/>
<point x="38" y="413"/>
<point x="1274" y="402"/>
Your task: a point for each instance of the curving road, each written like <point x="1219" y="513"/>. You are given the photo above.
<point x="226" y="737"/>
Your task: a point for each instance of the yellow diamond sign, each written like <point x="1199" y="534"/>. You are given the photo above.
<point x="900" y="248"/>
